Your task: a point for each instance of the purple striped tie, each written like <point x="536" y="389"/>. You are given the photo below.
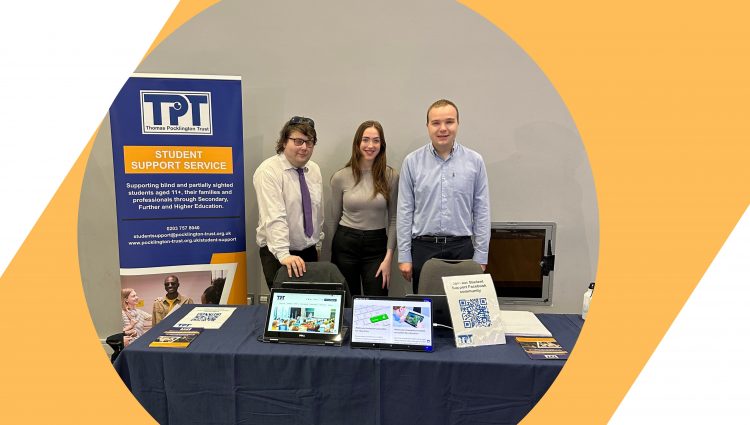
<point x="306" y="203"/>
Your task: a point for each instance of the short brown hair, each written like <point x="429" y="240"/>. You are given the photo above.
<point x="306" y="127"/>
<point x="439" y="104"/>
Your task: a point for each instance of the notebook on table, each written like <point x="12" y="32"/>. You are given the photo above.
<point x="392" y="323"/>
<point x="305" y="316"/>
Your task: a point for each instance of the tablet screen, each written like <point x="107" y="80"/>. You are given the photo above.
<point x="394" y="323"/>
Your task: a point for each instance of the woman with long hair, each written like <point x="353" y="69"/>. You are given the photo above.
<point x="133" y="319"/>
<point x="364" y="208"/>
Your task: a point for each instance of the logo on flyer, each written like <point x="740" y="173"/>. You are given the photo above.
<point x="176" y="112"/>
<point x="464" y="339"/>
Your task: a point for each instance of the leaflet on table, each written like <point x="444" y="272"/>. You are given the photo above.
<point x="474" y="309"/>
<point x="542" y="348"/>
<point x="205" y="317"/>
<point x="405" y="324"/>
<point x="522" y="323"/>
<point x="176" y="338"/>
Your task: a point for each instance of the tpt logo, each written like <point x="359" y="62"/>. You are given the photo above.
<point x="173" y="112"/>
<point x="464" y="339"/>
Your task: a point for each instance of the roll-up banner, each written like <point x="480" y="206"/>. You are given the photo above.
<point x="178" y="163"/>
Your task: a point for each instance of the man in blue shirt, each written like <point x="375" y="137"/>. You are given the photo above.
<point x="443" y="202"/>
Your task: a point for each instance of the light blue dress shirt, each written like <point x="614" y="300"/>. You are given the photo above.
<point x="444" y="198"/>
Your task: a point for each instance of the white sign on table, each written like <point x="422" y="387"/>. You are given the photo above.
<point x="474" y="309"/>
<point x="205" y="317"/>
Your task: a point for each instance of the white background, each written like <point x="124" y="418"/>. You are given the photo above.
<point x="698" y="373"/>
<point x="62" y="65"/>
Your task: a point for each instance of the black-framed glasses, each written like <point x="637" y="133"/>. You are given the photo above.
<point x="302" y="120"/>
<point x="299" y="142"/>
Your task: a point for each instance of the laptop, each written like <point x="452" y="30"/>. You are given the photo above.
<point x="392" y="323"/>
<point x="305" y="316"/>
<point x="441" y="314"/>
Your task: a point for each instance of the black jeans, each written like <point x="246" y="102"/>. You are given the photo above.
<point x="271" y="265"/>
<point x="358" y="254"/>
<point x="460" y="248"/>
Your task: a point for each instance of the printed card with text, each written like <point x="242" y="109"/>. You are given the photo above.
<point x="205" y="317"/>
<point x="474" y="309"/>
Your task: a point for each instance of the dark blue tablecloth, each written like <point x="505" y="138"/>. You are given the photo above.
<point x="226" y="376"/>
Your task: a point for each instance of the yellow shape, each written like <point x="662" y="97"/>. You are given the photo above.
<point x="658" y="91"/>
<point x="178" y="160"/>
<point x="238" y="293"/>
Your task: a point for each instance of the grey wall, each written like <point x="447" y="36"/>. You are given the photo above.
<point x="343" y="62"/>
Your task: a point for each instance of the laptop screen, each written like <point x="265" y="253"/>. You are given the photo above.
<point x="394" y="323"/>
<point x="304" y="314"/>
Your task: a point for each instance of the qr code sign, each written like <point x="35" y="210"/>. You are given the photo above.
<point x="206" y="317"/>
<point x="474" y="313"/>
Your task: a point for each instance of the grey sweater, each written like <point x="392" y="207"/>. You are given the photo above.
<point x="354" y="206"/>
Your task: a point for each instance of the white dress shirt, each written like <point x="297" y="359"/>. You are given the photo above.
<point x="281" y="224"/>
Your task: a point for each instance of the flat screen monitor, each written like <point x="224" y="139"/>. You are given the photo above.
<point x="392" y="323"/>
<point x="516" y="257"/>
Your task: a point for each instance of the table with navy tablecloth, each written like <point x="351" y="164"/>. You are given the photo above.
<point x="227" y="376"/>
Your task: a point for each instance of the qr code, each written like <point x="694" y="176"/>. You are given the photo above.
<point x="474" y="313"/>
<point x="206" y="317"/>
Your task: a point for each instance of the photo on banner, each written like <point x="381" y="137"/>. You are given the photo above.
<point x="199" y="283"/>
<point x="179" y="188"/>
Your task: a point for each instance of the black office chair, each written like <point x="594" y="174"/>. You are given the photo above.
<point x="318" y="271"/>
<point x="117" y="343"/>
<point x="430" y="280"/>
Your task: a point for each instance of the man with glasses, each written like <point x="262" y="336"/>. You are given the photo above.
<point x="165" y="305"/>
<point x="443" y="202"/>
<point x="289" y="188"/>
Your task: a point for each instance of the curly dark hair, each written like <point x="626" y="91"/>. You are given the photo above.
<point x="305" y="126"/>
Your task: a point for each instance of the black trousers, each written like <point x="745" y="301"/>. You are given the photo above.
<point x="358" y="254"/>
<point x="421" y="251"/>
<point x="271" y="265"/>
